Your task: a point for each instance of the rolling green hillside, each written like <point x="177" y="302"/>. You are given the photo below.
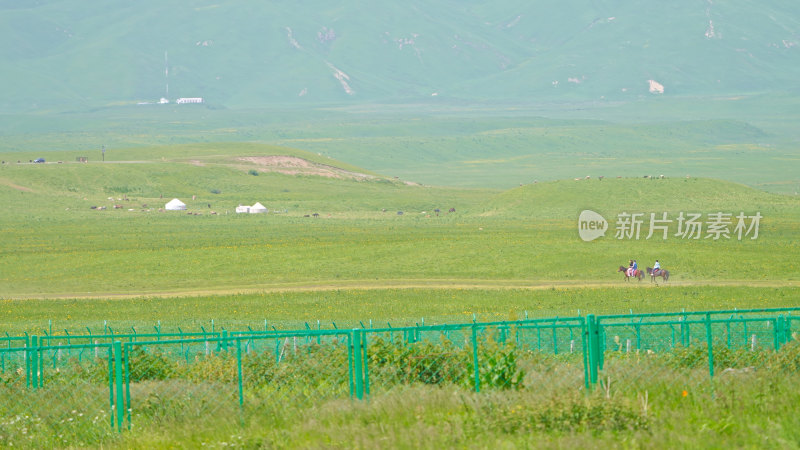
<point x="74" y="55"/>
<point x="749" y="141"/>
<point x="221" y="175"/>
<point x="440" y="93"/>
<point x="566" y="198"/>
<point x="53" y="243"/>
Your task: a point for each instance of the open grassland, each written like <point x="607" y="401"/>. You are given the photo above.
<point x="376" y="306"/>
<point x="335" y="250"/>
<point x="354" y="231"/>
<point x="749" y="139"/>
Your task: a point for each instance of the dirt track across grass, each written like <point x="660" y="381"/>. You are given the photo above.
<point x="411" y="284"/>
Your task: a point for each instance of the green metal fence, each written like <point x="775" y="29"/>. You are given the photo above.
<point x="107" y="382"/>
<point x="689" y="348"/>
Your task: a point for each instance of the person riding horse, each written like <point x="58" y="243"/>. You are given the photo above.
<point x="657" y="268"/>
<point x="632" y="268"/>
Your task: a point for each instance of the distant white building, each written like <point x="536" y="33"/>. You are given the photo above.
<point x="184" y="100"/>
<point x="163" y="101"/>
<point x="175" y="205"/>
<point x="258" y="208"/>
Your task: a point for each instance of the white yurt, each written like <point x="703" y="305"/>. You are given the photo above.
<point x="258" y="208"/>
<point x="242" y="209"/>
<point x="175" y="205"/>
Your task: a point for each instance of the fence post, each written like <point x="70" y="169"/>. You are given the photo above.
<point x="475" y="366"/>
<point x="710" y="343"/>
<point x="33" y="366"/>
<point x="593" y="347"/>
<point x="127" y="362"/>
<point x="585" y="349"/>
<point x="120" y="397"/>
<point x="638" y="327"/>
<point x="364" y="348"/>
<point x="778" y="326"/>
<point x="555" y="338"/>
<point x="110" y="357"/>
<point x="358" y="363"/>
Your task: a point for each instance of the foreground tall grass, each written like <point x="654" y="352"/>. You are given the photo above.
<point x="650" y="401"/>
<point x="753" y="412"/>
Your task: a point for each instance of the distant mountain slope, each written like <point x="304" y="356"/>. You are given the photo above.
<point x="77" y="54"/>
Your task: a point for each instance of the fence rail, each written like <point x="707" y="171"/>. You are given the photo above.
<point x="124" y="380"/>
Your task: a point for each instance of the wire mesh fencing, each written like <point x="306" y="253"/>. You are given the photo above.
<point x="691" y="348"/>
<point x="477" y="356"/>
<point x="83" y="389"/>
<point x="298" y="369"/>
<point x="175" y="380"/>
<point x="57" y="395"/>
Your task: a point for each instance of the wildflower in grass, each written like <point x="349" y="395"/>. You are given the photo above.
<point x="685" y="394"/>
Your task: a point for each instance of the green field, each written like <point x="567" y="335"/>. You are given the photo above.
<point x="750" y="139"/>
<point x="334" y="252"/>
<point x="423" y="163"/>
<point x="526" y="236"/>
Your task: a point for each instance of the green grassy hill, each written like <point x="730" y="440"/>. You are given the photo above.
<point x="53" y="243"/>
<point x="564" y="198"/>
<point x="221" y="175"/>
<point x="523" y="91"/>
<point x="748" y="141"/>
<point x="76" y="55"/>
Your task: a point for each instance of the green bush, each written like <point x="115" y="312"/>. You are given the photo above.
<point x="149" y="365"/>
<point x="439" y="363"/>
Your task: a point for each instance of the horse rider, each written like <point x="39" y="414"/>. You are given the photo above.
<point x="656" y="268"/>
<point x="631" y="268"/>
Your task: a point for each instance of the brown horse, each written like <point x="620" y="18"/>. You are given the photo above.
<point x="664" y="274"/>
<point x="636" y="274"/>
